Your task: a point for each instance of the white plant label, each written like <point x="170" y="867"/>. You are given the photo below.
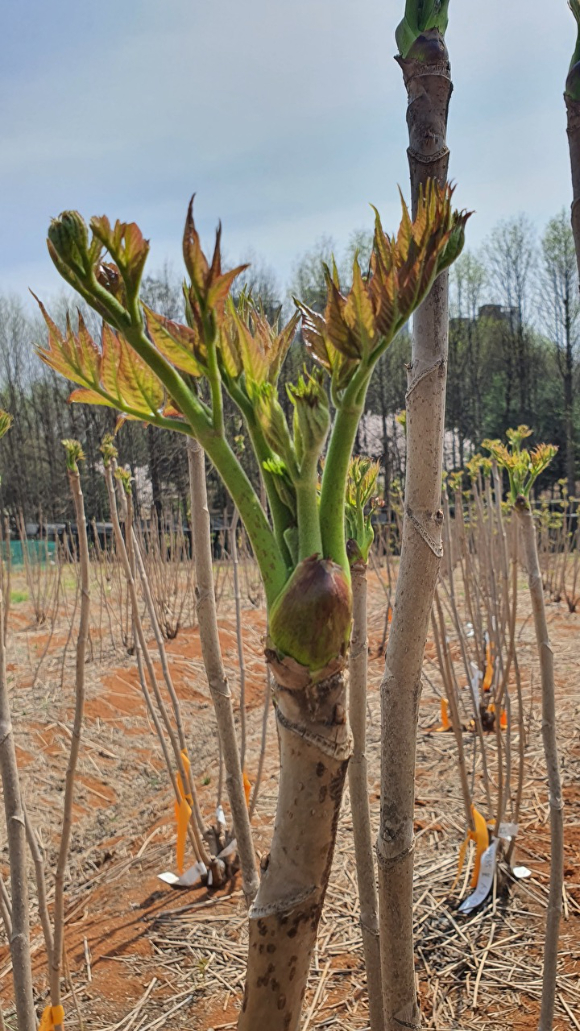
<point x="484" y="881"/>
<point x="508" y="830"/>
<point x="191" y="877"/>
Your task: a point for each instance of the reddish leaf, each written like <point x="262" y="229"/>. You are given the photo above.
<point x="179" y="344"/>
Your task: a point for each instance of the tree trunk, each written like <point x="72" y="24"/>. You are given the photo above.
<point x="429" y="88"/>
<point x="546" y="655"/>
<point x="569" y="412"/>
<point x="16" y="831"/>
<point x="315" y="747"/>
<point x="573" y="130"/>
<point x="359" y="797"/>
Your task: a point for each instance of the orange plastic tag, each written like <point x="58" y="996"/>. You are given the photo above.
<point x="183" y="810"/>
<point x="182" y="816"/>
<point x="247" y="788"/>
<point x="487" y="680"/>
<point x="52" y="1016"/>
<point x="481" y="838"/>
<point x="445" y="721"/>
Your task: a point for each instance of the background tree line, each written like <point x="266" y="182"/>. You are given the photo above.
<point x="513" y="357"/>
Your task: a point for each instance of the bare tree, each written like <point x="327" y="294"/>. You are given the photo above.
<point x="559" y="305"/>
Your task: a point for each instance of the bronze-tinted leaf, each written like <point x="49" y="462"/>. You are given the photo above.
<point x="138" y="385"/>
<point x="358" y="310"/>
<point x="83" y="395"/>
<point x="179" y="344"/>
<point x="338" y="331"/>
<point x="126" y="245"/>
<point x="193" y="256"/>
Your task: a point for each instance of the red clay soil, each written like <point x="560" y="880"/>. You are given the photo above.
<point x="125" y="928"/>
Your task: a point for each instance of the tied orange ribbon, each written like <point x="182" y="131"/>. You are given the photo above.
<point x="481" y="838"/>
<point x="502" y="715"/>
<point x="445" y="721"/>
<point x="52" y="1016"/>
<point x="182" y="813"/>
<point x="247" y="788"/>
<point x="487" y="680"/>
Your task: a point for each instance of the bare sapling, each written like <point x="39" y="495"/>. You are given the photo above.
<point x="360" y="504"/>
<point x="523" y="468"/>
<point x="178" y="765"/>
<point x="239" y="634"/>
<point x="173" y="376"/>
<point x="74" y="454"/>
<point x="214" y="667"/>
<point x="5" y="537"/>
<point x="15" y="908"/>
<point x="164" y="551"/>
<point x="478" y="616"/>
<point x="424" y="61"/>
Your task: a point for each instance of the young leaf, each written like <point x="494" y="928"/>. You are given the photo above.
<point x="181" y="345"/>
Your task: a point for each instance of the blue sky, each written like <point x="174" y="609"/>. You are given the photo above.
<point x="286" y="118"/>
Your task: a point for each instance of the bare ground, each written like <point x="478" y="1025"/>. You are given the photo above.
<point x="141" y="955"/>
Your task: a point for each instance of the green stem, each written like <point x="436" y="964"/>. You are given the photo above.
<point x="309" y="533"/>
<point x="332" y="496"/>
<point x="273" y="568"/>
<point x="215" y="386"/>
<point x="282" y="517"/>
<point x="268" y="556"/>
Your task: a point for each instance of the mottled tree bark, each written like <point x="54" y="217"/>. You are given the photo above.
<point x="573" y="130"/>
<point x="16" y="830"/>
<point x="427" y="79"/>
<point x="67" y="817"/>
<point x="315" y="747"/>
<point x="212" y="660"/>
<point x="359" y="796"/>
<point x="549" y="737"/>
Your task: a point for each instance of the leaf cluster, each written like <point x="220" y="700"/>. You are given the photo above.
<point x="361" y="504"/>
<point x="174" y="375"/>
<point x="523" y="466"/>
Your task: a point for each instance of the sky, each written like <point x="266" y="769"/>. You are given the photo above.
<point x="286" y="119"/>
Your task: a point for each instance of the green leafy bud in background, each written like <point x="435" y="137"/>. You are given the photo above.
<point x="108" y="449"/>
<point x="125" y="479"/>
<point x="74" y="454"/>
<point x="361" y="503"/>
<point x="523" y="466"/>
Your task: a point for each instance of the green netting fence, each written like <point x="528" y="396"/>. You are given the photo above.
<point x="37" y="552"/>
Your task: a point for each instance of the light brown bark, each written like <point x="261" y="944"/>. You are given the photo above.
<point x="315" y="747"/>
<point x="550" y="740"/>
<point x="428" y="85"/>
<point x="16" y="831"/>
<point x="145" y="668"/>
<point x="216" y="675"/>
<point x="573" y="130"/>
<point x="359" y="797"/>
<point x="82" y="638"/>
